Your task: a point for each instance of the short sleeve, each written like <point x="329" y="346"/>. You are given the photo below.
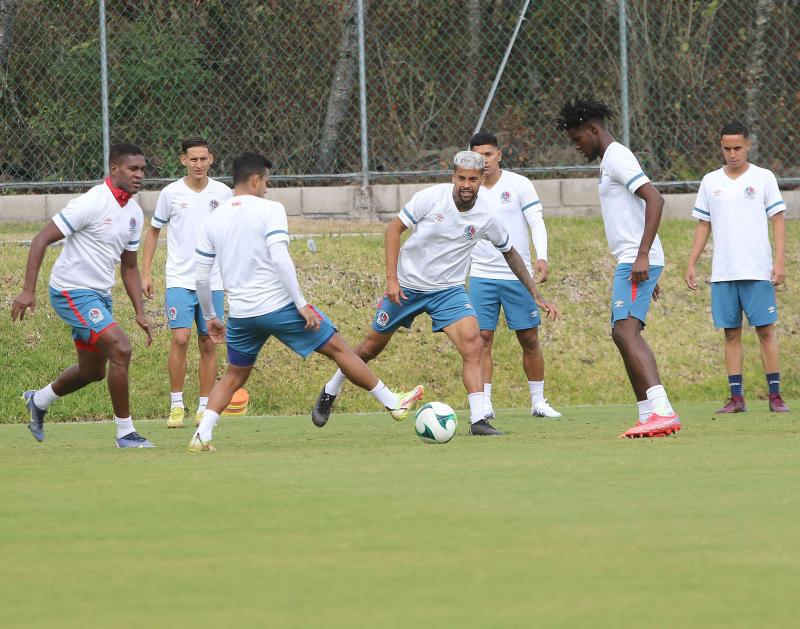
<point x="133" y="243"/>
<point x="773" y="202"/>
<point x="205" y="246"/>
<point x="498" y="235"/>
<point x="76" y="215"/>
<point x="416" y="209"/>
<point x="277" y="227"/>
<point x="163" y="210"/>
<point x="529" y="200"/>
<point x="701" y="210"/>
<point x="624" y="167"/>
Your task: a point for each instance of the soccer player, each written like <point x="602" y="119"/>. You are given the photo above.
<point x="102" y="229"/>
<point x="736" y="202"/>
<point x="183" y="205"/>
<point x="428" y="272"/>
<point x="631" y="208"/>
<point x="492" y="284"/>
<point x="248" y="236"/>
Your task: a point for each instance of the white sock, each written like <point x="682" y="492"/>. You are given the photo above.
<point x="645" y="410"/>
<point x="202" y="402"/>
<point x="659" y="401"/>
<point x="487" y="399"/>
<point x="43" y="398"/>
<point x="487" y="389"/>
<point x="176" y="399"/>
<point x="476" y="407"/>
<point x="335" y="384"/>
<point x="124" y="426"/>
<point x="536" y="387"/>
<point x="206" y="428"/>
<point x="386" y="397"/>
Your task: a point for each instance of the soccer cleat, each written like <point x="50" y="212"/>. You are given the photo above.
<point x="734" y="404"/>
<point x="133" y="440"/>
<point x="543" y="409"/>
<point x="655" y="426"/>
<point x="406" y="402"/>
<point x="176" y="415"/>
<point x="482" y="428"/>
<point x="36" y="425"/>
<point x="198" y="445"/>
<point x="776" y="404"/>
<point x="322" y="409"/>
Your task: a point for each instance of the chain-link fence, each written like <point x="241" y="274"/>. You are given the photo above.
<point x="283" y="78"/>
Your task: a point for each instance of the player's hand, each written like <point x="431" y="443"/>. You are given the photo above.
<point x="147" y="286"/>
<point x="641" y="269"/>
<point x="690" y="278"/>
<point x="778" y="274"/>
<point x="142" y="322"/>
<point x="311" y="317"/>
<point x="550" y="310"/>
<point x="542" y="271"/>
<point x="216" y="330"/>
<point x="394" y="292"/>
<point x="26" y="299"/>
<point x="657" y="292"/>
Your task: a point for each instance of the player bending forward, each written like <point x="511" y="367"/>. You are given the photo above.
<point x="428" y="272"/>
<point x="249" y="238"/>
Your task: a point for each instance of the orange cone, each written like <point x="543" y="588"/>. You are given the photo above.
<point x="238" y="404"/>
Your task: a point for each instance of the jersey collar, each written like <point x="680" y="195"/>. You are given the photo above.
<point x="122" y="196"/>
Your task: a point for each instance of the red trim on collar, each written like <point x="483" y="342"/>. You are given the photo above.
<point x="122" y="196"/>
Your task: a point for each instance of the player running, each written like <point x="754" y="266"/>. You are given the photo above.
<point x="183" y="205"/>
<point x="631" y="209"/>
<point x="102" y="229"/>
<point x="737" y="201"/>
<point x="492" y="284"/>
<point x="248" y="236"/>
<point x="428" y="272"/>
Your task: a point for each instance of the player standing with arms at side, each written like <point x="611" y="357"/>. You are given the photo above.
<point x="183" y="205"/>
<point x="102" y="229"/>
<point x="631" y="209"/>
<point x="737" y="201"/>
<point x="249" y="237"/>
<point x="492" y="284"/>
<point x="428" y="272"/>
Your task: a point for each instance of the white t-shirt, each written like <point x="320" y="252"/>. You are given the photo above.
<point x="512" y="197"/>
<point x="436" y="254"/>
<point x="184" y="210"/>
<point x="239" y="234"/>
<point x="623" y="211"/>
<point x="738" y="210"/>
<point x="96" y="230"/>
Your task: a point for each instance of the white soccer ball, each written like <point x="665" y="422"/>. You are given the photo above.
<point x="435" y="423"/>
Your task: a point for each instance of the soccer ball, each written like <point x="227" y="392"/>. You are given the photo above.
<point x="435" y="423"/>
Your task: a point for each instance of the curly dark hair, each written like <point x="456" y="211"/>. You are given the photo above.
<point x="574" y="114"/>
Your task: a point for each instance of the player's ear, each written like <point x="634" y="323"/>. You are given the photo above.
<point x="183" y="159"/>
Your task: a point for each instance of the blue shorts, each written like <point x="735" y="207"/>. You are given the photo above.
<point x="755" y="297"/>
<point x="487" y="295"/>
<point x="182" y="308"/>
<point x="629" y="299"/>
<point x="87" y="312"/>
<point x="444" y="307"/>
<point x="246" y="336"/>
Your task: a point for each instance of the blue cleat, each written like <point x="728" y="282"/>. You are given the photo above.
<point x="133" y="440"/>
<point x="36" y="425"/>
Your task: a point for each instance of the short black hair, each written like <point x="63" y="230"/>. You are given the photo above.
<point x="574" y="114"/>
<point x="123" y="149"/>
<point x="189" y="143"/>
<point x="483" y="138"/>
<point x="734" y="128"/>
<point x="247" y="164"/>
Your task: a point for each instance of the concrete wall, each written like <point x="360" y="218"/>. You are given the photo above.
<point x="560" y="197"/>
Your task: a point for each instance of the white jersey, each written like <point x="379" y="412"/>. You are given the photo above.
<point x="184" y="210"/>
<point x="512" y="197"/>
<point x="96" y="230"/>
<point x="436" y="254"/>
<point x="239" y="234"/>
<point x="623" y="211"/>
<point x="738" y="210"/>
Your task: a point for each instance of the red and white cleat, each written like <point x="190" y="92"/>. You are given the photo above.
<point x="655" y="426"/>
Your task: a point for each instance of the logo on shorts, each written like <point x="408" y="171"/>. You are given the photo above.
<point x="749" y="193"/>
<point x="469" y="232"/>
<point x="534" y="314"/>
<point x="133" y="224"/>
<point x="172" y="313"/>
<point x="505" y="197"/>
<point x="382" y="318"/>
<point x="619" y="303"/>
<point x="213" y="205"/>
<point x="439" y="217"/>
<point x="771" y="309"/>
<point x="468" y="306"/>
<point x="95" y="315"/>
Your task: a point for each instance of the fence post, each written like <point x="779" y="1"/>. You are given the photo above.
<point x="623" y="72"/>
<point x="104" y="84"/>
<point x="362" y="97"/>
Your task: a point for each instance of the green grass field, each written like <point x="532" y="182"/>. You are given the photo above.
<point x="558" y="524"/>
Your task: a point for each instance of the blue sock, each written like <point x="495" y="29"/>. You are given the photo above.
<point x="735" y="383"/>
<point x="774" y="382"/>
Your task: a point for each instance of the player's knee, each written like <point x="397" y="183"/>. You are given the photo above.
<point x="766" y="333"/>
<point x="472" y="347"/>
<point x="487" y="339"/>
<point x="620" y="336"/>
<point x="734" y="334"/>
<point x="180" y="340"/>
<point x="120" y="351"/>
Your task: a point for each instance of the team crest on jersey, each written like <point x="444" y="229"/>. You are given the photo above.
<point x="439" y="217"/>
<point x="749" y="193"/>
<point x="717" y="193"/>
<point x="213" y="204"/>
<point x="95" y="315"/>
<point x="469" y="232"/>
<point x="183" y="205"/>
<point x="505" y="197"/>
<point x="382" y="318"/>
<point x="172" y="313"/>
<point x="108" y="220"/>
<point x="133" y="224"/>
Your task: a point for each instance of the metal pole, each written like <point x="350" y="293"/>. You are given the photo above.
<point x="104" y="85"/>
<point x="362" y="97"/>
<point x="502" y="67"/>
<point x="623" y="71"/>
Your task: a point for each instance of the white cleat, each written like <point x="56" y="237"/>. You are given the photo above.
<point x="543" y="409"/>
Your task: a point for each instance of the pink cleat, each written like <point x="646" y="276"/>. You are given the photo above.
<point x="776" y="403"/>
<point x="734" y="404"/>
<point x="655" y="426"/>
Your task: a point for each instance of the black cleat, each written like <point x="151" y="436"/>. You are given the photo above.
<point x="482" y="428"/>
<point x="322" y="409"/>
